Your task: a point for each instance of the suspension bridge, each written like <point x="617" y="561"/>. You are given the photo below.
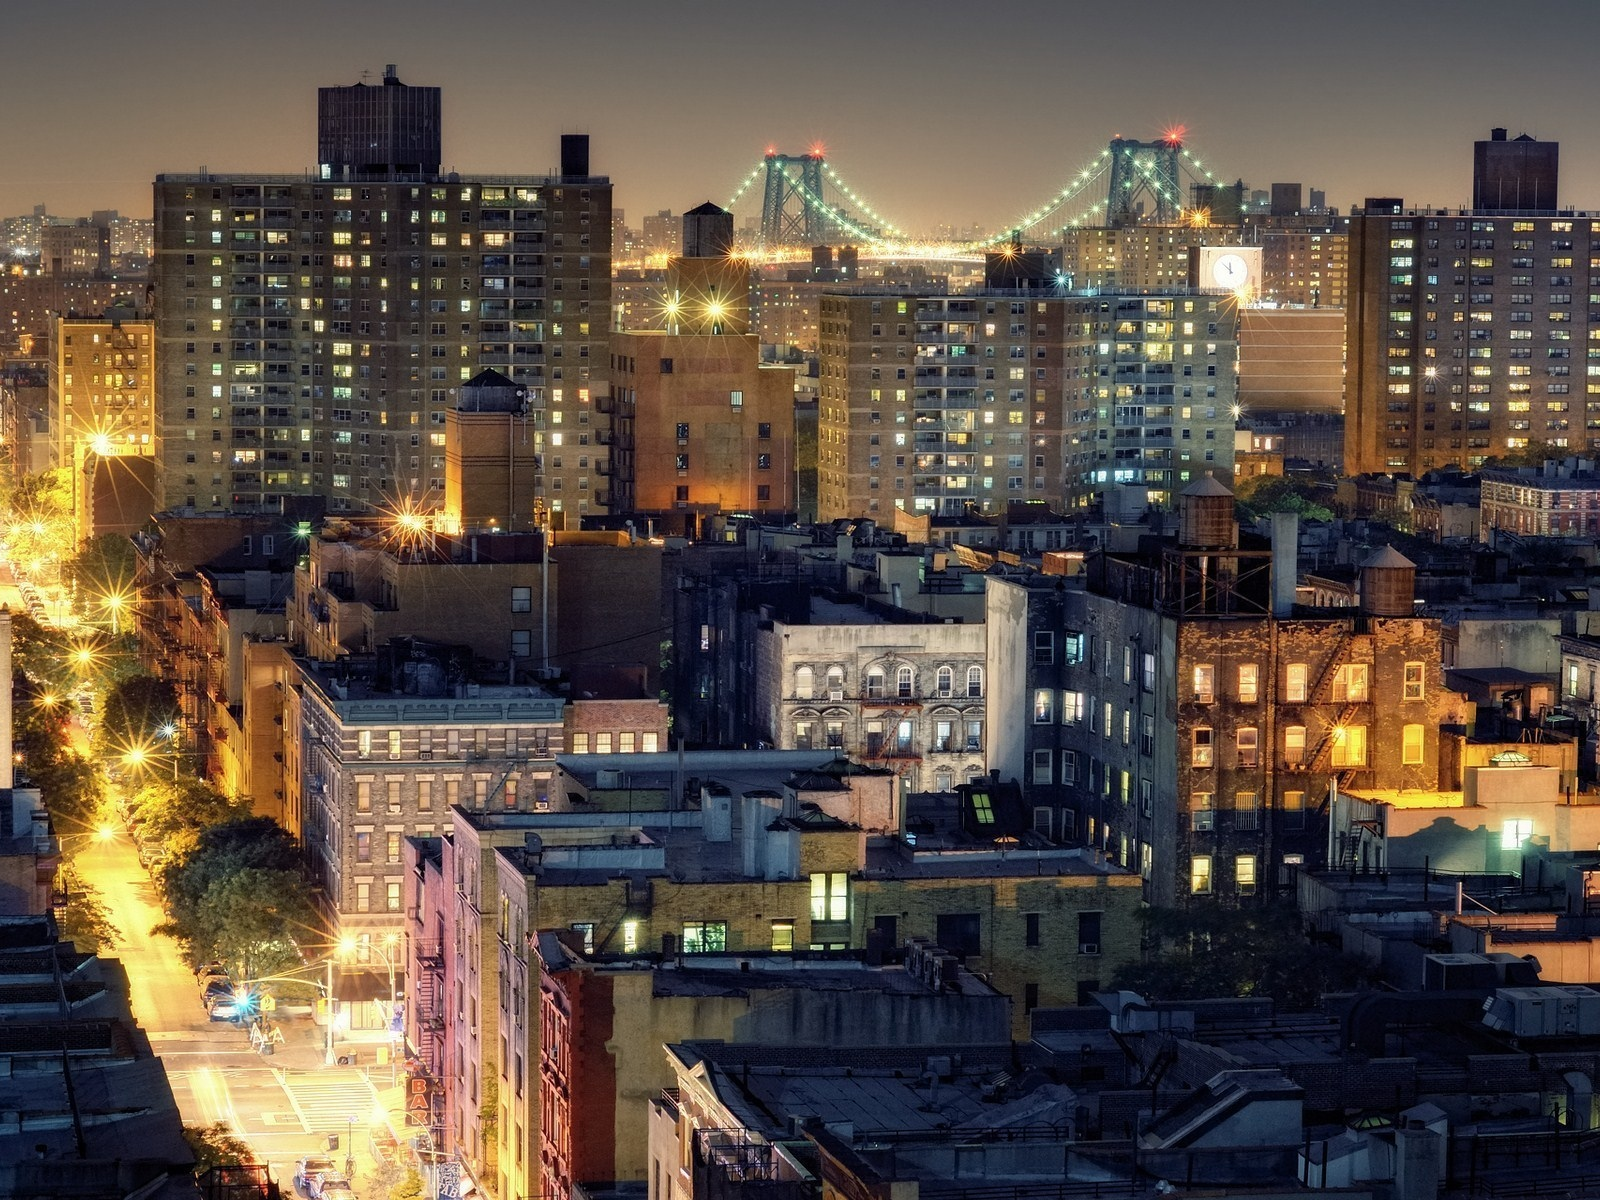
<point x="805" y="202"/>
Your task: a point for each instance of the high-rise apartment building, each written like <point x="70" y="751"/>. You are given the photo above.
<point x="941" y="404"/>
<point x="313" y="333"/>
<point x="1463" y="336"/>
<point x="1133" y="257"/>
<point x="1307" y="267"/>
<point x="102" y="392"/>
<point x="1462" y="325"/>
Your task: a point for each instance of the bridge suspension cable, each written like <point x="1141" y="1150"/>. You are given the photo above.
<point x="1160" y="168"/>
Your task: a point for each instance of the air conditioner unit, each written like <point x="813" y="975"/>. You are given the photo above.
<point x="1203" y="821"/>
<point x="1088" y="947"/>
<point x="836" y="695"/>
<point x="424" y="753"/>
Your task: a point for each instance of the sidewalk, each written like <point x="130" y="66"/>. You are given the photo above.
<point x="301" y="1059"/>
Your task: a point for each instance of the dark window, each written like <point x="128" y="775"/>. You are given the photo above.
<point x="763" y="492"/>
<point x="683" y="494"/>
<point x="683" y="462"/>
<point x="1086" y="990"/>
<point x="1088" y="933"/>
<point x="764" y="430"/>
<point x="666" y="366"/>
<point x="683" y="429"/>
<point x="1031" y="928"/>
<point x="763" y="462"/>
<point x="958" y="933"/>
<point x="889" y="926"/>
<point x="1030" y="997"/>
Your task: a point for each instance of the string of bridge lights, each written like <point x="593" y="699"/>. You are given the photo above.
<point x="833" y="214"/>
<point x="1079" y="182"/>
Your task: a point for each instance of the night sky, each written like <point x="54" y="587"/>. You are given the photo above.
<point x="935" y="111"/>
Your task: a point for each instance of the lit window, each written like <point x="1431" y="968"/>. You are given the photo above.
<point x="783" y="936"/>
<point x="1247" y="742"/>
<point x="1043" y="706"/>
<point x="1411" y="745"/>
<point x="1350" y="746"/>
<point x="983" y="808"/>
<point x="1514" y="833"/>
<point x="1247" y="683"/>
<point x="1294" y="683"/>
<point x="830" y="896"/>
<point x="1201" y="756"/>
<point x="1244" y="873"/>
<point x="1205" y="683"/>
<point x="1294" y="744"/>
<point x="1413" y="682"/>
<point x="705" y="937"/>
<point x="1350" y="684"/>
<point x="1200" y="874"/>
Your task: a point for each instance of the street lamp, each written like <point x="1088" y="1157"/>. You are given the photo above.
<point x="170" y="732"/>
<point x="116" y="603"/>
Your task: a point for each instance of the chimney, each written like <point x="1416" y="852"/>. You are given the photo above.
<point x="1285" y="561"/>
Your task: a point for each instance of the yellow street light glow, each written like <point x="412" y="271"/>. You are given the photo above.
<point x="135" y="756"/>
<point x="100" y="443"/>
<point x="347" y="945"/>
<point x="714" y="310"/>
<point x="105" y="833"/>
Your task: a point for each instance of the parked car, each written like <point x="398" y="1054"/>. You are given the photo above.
<point x="228" y="1007"/>
<point x="312" y="1166"/>
<point x="215" y="989"/>
<point x="334" y="1187"/>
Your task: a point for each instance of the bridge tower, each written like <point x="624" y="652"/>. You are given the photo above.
<point x="1144" y="169"/>
<point x="791" y="207"/>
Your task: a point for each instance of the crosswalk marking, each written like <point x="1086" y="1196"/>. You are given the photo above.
<point x="330" y="1103"/>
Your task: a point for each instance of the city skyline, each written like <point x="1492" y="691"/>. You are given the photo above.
<point x="897" y="95"/>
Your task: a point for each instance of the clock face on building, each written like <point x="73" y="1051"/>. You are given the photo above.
<point x="1230" y="271"/>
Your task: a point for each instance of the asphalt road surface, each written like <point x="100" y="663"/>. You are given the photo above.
<point x="285" y="1105"/>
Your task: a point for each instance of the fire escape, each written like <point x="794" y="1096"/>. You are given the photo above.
<point x="1326" y="693"/>
<point x="430" y="1001"/>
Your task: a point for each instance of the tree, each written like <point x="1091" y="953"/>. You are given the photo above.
<point x="409" y="1187"/>
<point x="253" y="918"/>
<point x="135" y="711"/>
<point x="201" y="912"/>
<point x="104" y="566"/>
<point x="1534" y="454"/>
<point x="1208" y="952"/>
<point x="1262" y="494"/>
<point x="216" y="1146"/>
<point x="86" y="922"/>
<point x="69" y="786"/>
<point x="174" y="811"/>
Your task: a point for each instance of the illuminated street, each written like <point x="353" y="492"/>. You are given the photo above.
<point x="284" y="1105"/>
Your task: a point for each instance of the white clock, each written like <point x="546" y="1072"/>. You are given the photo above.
<point x="1230" y="271"/>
